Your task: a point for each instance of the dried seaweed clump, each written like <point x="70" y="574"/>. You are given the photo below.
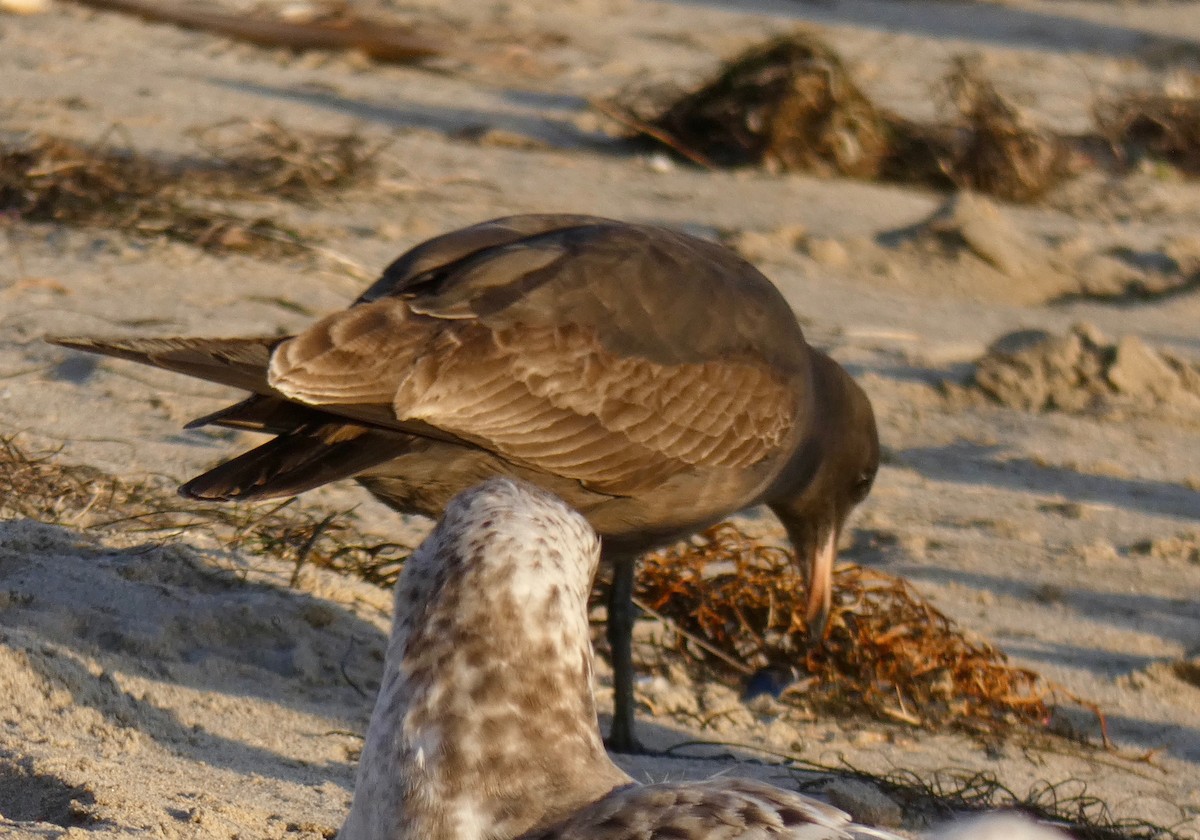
<point x="950" y="793"/>
<point x="1000" y="152"/>
<point x="1154" y="126"/>
<point x="791" y="104"/>
<point x="38" y="486"/>
<point x="788" y="104"/>
<point x="888" y="654"/>
<point x="268" y="158"/>
<point x="51" y="179"/>
<point x="1082" y="370"/>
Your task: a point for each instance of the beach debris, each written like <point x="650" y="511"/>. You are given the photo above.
<point x="788" y="104"/>
<point x="1155" y="126"/>
<point x="266" y="157"/>
<point x="999" y="151"/>
<point x="44" y="178"/>
<point x="41" y="487"/>
<point x="888" y="653"/>
<point x="791" y="104"/>
<point x="342" y="29"/>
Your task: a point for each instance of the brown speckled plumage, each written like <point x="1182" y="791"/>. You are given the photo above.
<point x="485" y="725"/>
<point x="485" y="720"/>
<point x="655" y="381"/>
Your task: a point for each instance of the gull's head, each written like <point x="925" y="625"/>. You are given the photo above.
<point x="505" y="556"/>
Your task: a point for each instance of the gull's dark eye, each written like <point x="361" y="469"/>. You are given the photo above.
<point x="863" y="486"/>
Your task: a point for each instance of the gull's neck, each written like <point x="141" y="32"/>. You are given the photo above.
<point x="485" y="724"/>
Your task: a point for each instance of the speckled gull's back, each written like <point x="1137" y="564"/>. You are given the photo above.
<point x="485" y="724"/>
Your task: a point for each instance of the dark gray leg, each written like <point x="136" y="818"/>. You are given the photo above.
<point x="620" y="643"/>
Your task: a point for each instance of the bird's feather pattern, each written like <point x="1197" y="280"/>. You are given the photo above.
<point x="424" y="264"/>
<point x="307" y="457"/>
<point x="723" y="808"/>
<point x="485" y="726"/>
<point x="553" y="398"/>
<point x="541" y="339"/>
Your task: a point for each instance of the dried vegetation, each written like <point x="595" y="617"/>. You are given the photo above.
<point x="789" y="105"/>
<point x="792" y="105"/>
<point x="950" y="793"/>
<point x="998" y="150"/>
<point x="38" y="486"/>
<point x="888" y="653"/>
<point x="1142" y="126"/>
<point x="50" y="179"/>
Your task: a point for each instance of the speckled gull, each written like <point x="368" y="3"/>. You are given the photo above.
<point x="485" y="725"/>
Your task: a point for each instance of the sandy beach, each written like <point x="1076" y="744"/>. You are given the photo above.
<point x="159" y="683"/>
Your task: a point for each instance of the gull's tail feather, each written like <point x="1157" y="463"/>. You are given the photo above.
<point x="238" y="362"/>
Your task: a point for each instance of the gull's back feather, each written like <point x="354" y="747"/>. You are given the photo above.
<point x="725" y="808"/>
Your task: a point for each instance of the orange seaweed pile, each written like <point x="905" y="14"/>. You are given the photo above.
<point x="888" y="652"/>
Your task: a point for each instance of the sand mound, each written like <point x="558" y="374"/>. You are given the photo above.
<point x="1084" y="371"/>
<point x="992" y="257"/>
<point x="187" y="612"/>
<point x="139" y="672"/>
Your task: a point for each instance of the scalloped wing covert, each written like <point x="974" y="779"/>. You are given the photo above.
<point x="551" y="398"/>
<point x="723" y="808"/>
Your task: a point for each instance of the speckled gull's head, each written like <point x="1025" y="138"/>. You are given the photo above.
<point x="485" y="725"/>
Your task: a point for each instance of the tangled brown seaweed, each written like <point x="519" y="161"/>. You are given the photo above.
<point x="39" y="486"/>
<point x="52" y="179"/>
<point x="791" y="104"/>
<point x="888" y="652"/>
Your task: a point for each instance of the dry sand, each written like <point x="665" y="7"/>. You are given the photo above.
<point x="165" y="687"/>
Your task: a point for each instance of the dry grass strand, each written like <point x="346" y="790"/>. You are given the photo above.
<point x="38" y="486"/>
<point x="51" y="179"/>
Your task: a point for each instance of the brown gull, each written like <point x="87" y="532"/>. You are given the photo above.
<point x="655" y="381"/>
<point x="485" y="725"/>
